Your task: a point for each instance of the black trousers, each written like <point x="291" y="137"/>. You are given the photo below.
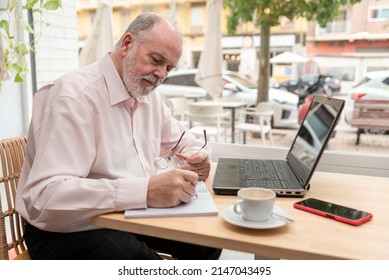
<point x="107" y="244"/>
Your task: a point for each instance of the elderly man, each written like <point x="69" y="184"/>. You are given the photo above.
<point x="93" y="142"/>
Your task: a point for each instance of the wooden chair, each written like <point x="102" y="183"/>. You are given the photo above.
<point x="257" y="120"/>
<point x="12" y="153"/>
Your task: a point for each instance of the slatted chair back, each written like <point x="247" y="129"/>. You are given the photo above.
<point x="12" y="154"/>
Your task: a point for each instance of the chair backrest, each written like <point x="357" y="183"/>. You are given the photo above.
<point x="265" y="106"/>
<point x="208" y="113"/>
<point x="180" y="107"/>
<point x="12" y="154"/>
<point x="262" y="114"/>
<point x="266" y="111"/>
<point x="207" y="116"/>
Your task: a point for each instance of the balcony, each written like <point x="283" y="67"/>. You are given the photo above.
<point x="334" y="28"/>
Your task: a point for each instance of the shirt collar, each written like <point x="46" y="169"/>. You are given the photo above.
<point x="116" y="90"/>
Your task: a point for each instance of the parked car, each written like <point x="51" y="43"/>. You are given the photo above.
<point x="182" y="83"/>
<point x="305" y="106"/>
<point x="311" y="84"/>
<point x="374" y="86"/>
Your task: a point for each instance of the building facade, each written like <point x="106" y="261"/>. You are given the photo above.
<point x="240" y="51"/>
<point x="355" y="43"/>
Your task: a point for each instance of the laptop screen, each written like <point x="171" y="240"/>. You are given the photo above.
<point x="313" y="135"/>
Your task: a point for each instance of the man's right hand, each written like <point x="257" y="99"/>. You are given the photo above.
<point x="171" y="188"/>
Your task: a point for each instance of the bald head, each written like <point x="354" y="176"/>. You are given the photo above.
<point x="141" y="26"/>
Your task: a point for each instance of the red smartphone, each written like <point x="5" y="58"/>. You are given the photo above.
<point x="334" y="211"/>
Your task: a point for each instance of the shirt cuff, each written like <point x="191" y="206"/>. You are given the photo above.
<point x="132" y="193"/>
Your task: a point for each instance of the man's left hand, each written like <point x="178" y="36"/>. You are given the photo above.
<point x="197" y="162"/>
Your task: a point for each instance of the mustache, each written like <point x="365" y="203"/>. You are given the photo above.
<point x="152" y="79"/>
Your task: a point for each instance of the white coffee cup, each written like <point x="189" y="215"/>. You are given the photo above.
<point x="255" y="204"/>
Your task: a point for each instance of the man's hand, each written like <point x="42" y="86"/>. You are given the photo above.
<point x="171" y="188"/>
<point x="197" y="162"/>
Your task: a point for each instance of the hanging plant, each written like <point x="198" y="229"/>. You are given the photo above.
<point x="13" y="51"/>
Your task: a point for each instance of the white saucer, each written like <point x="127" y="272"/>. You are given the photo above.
<point x="231" y="217"/>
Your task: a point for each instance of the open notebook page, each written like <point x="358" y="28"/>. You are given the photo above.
<point x="201" y="205"/>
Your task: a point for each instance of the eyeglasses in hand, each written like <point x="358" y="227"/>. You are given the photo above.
<point x="172" y="160"/>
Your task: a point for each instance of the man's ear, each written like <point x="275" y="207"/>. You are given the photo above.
<point x="127" y="43"/>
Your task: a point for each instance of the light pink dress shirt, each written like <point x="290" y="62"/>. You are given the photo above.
<point x="91" y="149"/>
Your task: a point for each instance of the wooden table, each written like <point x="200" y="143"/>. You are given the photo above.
<point x="309" y="237"/>
<point x="231" y="105"/>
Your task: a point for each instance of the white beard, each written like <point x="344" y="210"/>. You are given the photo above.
<point x="132" y="81"/>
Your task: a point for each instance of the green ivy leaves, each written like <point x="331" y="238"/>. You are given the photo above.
<point x="14" y="61"/>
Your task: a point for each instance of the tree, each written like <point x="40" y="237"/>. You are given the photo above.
<point x="266" y="13"/>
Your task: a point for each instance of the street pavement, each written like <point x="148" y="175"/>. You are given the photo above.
<point x="344" y="140"/>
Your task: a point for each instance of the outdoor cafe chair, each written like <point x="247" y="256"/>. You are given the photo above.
<point x="256" y="120"/>
<point x="208" y="117"/>
<point x="12" y="153"/>
<point x="180" y="109"/>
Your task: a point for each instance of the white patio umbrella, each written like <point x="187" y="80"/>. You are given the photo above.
<point x="101" y="37"/>
<point x="288" y="57"/>
<point x="209" y="74"/>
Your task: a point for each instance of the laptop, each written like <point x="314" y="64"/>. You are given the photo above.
<point x="289" y="177"/>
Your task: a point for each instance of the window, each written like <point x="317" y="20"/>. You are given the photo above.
<point x="196" y="19"/>
<point x="379" y="14"/>
<point x="182" y="80"/>
<point x="232" y="61"/>
<point x="376" y="68"/>
<point x="342" y="15"/>
<point x="92" y="15"/>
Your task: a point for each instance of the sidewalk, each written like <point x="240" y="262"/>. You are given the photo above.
<point x="344" y="140"/>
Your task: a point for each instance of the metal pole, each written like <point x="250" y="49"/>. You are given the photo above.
<point x="32" y="54"/>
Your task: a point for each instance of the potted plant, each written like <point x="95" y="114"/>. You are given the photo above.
<point x="13" y="63"/>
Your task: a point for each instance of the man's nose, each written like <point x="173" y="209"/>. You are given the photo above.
<point x="161" y="73"/>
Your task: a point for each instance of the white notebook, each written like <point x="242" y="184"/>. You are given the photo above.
<point x="201" y="205"/>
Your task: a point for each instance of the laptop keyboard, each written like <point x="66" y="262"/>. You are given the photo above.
<point x="263" y="174"/>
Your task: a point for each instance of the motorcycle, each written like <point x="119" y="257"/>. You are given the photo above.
<point x="303" y="88"/>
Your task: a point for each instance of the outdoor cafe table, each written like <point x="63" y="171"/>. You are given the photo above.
<point x="191" y="96"/>
<point x="309" y="237"/>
